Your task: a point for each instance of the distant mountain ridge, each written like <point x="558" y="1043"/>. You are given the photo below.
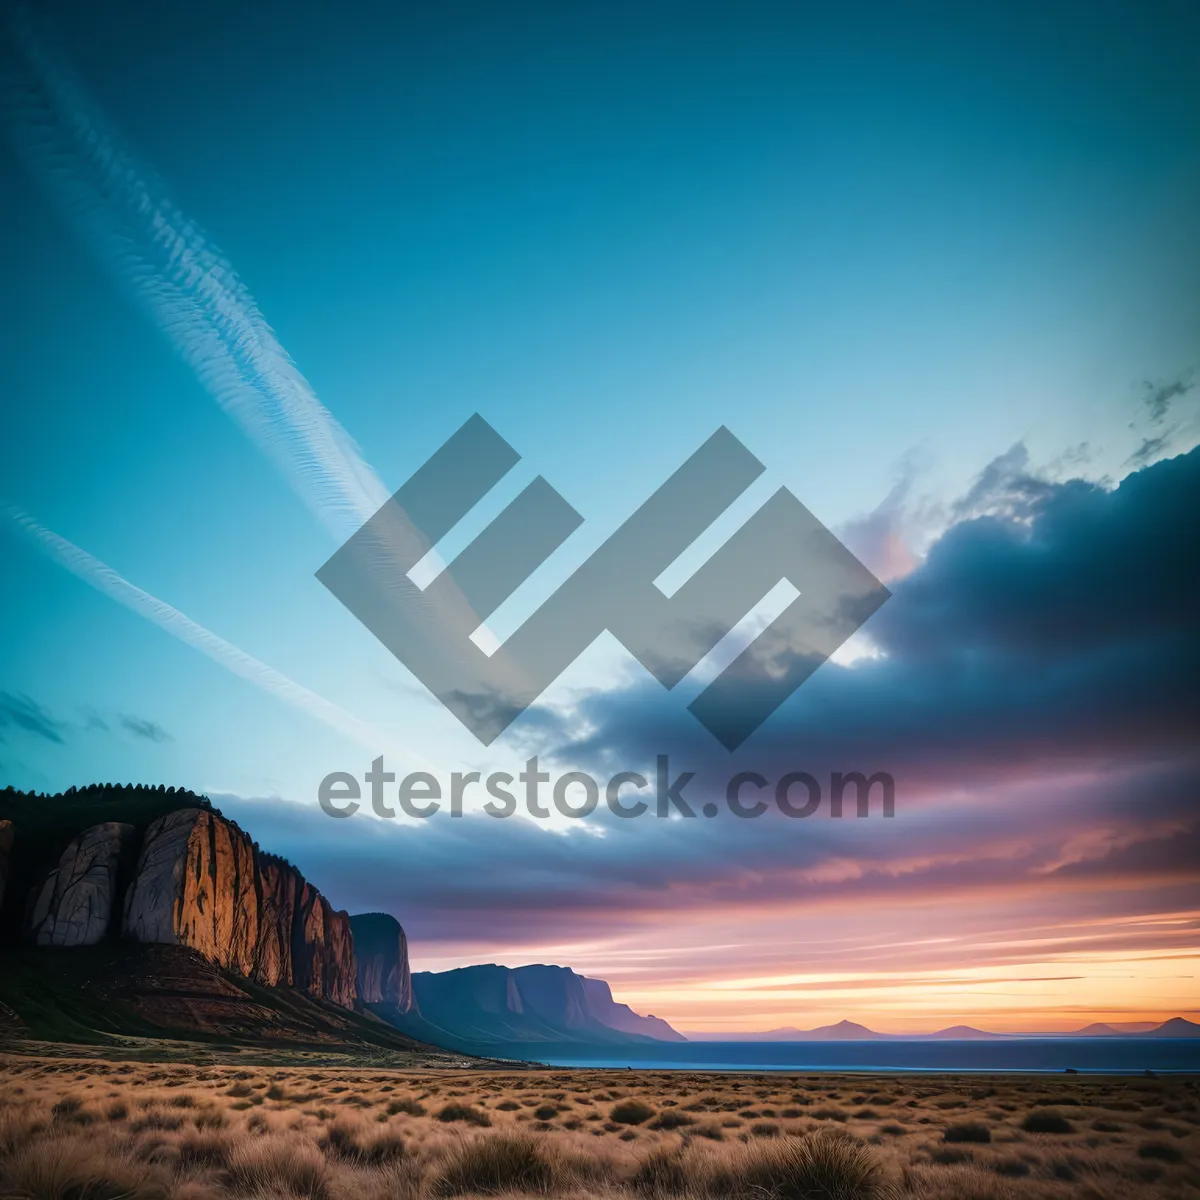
<point x="1117" y="1029"/>
<point x="846" y="1031"/>
<point x="615" y="1015"/>
<point x="489" y="1004"/>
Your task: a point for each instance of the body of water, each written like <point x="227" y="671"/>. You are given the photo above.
<point x="1050" y="1055"/>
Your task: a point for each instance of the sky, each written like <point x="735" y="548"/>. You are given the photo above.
<point x="938" y="269"/>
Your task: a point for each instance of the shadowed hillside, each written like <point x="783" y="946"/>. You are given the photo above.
<point x="135" y="912"/>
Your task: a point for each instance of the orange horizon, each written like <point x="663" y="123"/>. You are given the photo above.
<point x="1077" y="974"/>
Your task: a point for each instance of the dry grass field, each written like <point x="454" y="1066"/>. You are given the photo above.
<point x="89" y="1130"/>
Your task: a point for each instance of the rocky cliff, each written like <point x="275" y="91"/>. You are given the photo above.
<point x="276" y="915"/>
<point x="381" y="950"/>
<point x="78" y="901"/>
<point x="201" y="882"/>
<point x="615" y="1015"/>
<point x="492" y="1004"/>
<point x="322" y="948"/>
<point x="174" y="872"/>
<point x="178" y="873"/>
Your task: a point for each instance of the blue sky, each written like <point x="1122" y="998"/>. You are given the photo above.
<point x="883" y="248"/>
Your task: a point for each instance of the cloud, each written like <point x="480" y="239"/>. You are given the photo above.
<point x="1059" y="631"/>
<point x="188" y="287"/>
<point x="1069" y="849"/>
<point x="150" y="731"/>
<point x="1007" y="487"/>
<point x="1034" y="700"/>
<point x="20" y="712"/>
<point x="103" y="578"/>
<point x="168" y="265"/>
<point x="1161" y="400"/>
<point x="1151" y="448"/>
<point x="882" y="540"/>
<point x="23" y="713"/>
<point x="1161" y="397"/>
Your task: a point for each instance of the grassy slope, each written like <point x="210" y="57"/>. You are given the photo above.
<point x="123" y="995"/>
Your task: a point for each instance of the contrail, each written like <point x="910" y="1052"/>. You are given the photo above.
<point x="166" y="263"/>
<point x="188" y="287"/>
<point x="103" y="578"/>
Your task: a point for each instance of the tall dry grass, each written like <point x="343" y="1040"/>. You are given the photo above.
<point x="72" y="1130"/>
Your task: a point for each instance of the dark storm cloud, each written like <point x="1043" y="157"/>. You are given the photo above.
<point x="1035" y="702"/>
<point x="1066" y="633"/>
<point x="514" y="879"/>
<point x="1007" y="486"/>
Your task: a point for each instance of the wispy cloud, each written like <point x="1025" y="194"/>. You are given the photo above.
<point x="1162" y="400"/>
<point x="149" y="731"/>
<point x="163" y="259"/>
<point x="20" y="712"/>
<point x="1160" y="397"/>
<point x="104" y="579"/>
<point x="187" y="286"/>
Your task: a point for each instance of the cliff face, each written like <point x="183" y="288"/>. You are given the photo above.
<point x="78" y="900"/>
<point x="196" y="885"/>
<point x="615" y="1015"/>
<point x="200" y="882"/>
<point x="219" y="913"/>
<point x="555" y="994"/>
<point x="381" y="951"/>
<point x="180" y="874"/>
<point x="322" y="948"/>
<point x="276" y="915"/>
<point x="533" y="1003"/>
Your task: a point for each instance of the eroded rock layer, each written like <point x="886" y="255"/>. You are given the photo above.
<point x="78" y="900"/>
<point x="381" y="951"/>
<point x="201" y="882"/>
